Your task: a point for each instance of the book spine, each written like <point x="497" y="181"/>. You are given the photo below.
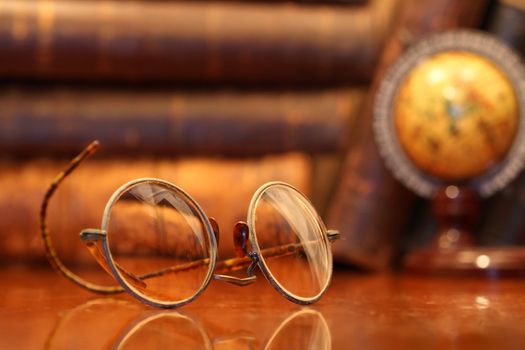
<point x="508" y="23"/>
<point x="60" y="121"/>
<point x="79" y="202"/>
<point x="370" y="207"/>
<point x="145" y="41"/>
<point x="503" y="223"/>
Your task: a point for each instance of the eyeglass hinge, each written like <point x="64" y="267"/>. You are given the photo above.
<point x="333" y="235"/>
<point x="253" y="265"/>
<point x="92" y="235"/>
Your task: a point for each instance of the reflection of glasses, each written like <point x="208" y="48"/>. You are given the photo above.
<point x="304" y="329"/>
<point x="124" y="326"/>
<point x="156" y="241"/>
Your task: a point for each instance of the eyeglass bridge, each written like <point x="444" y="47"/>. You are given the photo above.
<point x="240" y="242"/>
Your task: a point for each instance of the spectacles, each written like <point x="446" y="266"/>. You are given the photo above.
<point x="159" y="245"/>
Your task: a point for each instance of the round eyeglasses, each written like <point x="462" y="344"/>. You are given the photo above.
<point x="159" y="245"/>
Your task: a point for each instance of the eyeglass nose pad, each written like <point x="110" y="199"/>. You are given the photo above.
<point x="215" y="227"/>
<point x="240" y="239"/>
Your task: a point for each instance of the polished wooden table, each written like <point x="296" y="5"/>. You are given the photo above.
<point x="40" y="309"/>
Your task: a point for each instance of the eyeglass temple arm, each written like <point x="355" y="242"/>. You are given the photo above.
<point x="224" y="266"/>
<point x="240" y="240"/>
<point x="90" y="237"/>
<point x="51" y="254"/>
<point x="243" y="257"/>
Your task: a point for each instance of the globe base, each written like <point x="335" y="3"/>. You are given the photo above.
<point x="456" y="210"/>
<point x="490" y="262"/>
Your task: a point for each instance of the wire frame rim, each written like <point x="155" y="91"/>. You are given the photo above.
<point x="111" y="262"/>
<point x="257" y="250"/>
<point x="148" y="317"/>
<point x="473" y="41"/>
<point x="294" y="316"/>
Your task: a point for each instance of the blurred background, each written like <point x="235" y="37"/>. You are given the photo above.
<point x="219" y="97"/>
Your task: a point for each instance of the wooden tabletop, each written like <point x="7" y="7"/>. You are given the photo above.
<point x="40" y="309"/>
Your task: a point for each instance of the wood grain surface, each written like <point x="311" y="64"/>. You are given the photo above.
<point x="40" y="309"/>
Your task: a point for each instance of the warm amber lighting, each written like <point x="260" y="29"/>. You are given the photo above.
<point x="452" y="192"/>
<point x="449" y="239"/>
<point x="482" y="261"/>
<point x="482" y="302"/>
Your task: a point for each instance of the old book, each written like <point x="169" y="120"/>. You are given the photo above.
<point x="146" y="41"/>
<point x="61" y="121"/>
<point x="503" y="222"/>
<point x="369" y="207"/>
<point x="507" y="21"/>
<point x="222" y="187"/>
<point x="342" y="2"/>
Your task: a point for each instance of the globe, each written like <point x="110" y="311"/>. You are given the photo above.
<point x="455" y="115"/>
<point x="450" y="124"/>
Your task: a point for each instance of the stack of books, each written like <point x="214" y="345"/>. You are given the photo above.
<point x="217" y="97"/>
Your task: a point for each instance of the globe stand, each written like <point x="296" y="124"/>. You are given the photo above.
<point x="453" y="250"/>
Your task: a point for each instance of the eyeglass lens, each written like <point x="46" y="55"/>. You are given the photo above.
<point x="159" y="242"/>
<point x="292" y="241"/>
